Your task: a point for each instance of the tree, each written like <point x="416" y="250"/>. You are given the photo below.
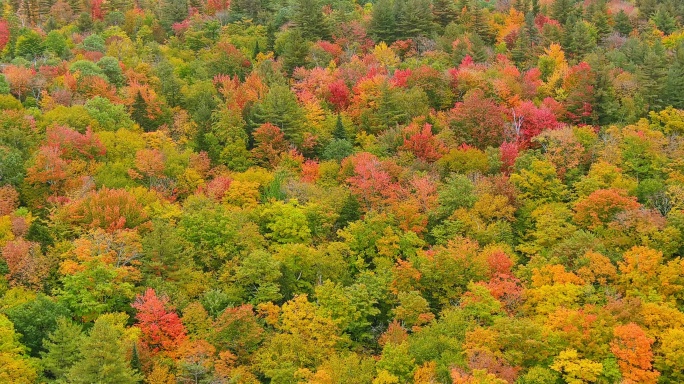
<point x="632" y="347"/>
<point x="308" y="18"/>
<point x="443" y="12"/>
<point x="162" y="330"/>
<point x="30" y="45"/>
<point x="237" y="330"/>
<point x="269" y="145"/>
<point x="382" y="25"/>
<point x="478" y="121"/>
<point x="622" y="23"/>
<point x="576" y="370"/>
<point x="15" y="367"/>
<point x="35" y="319"/>
<point x="62" y="349"/>
<point x="140" y="114"/>
<point x="103" y="354"/>
<point x="601" y="207"/>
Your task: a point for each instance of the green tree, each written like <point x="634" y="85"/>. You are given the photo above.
<point x="56" y="43"/>
<point x="622" y="23"/>
<point x="112" y="70"/>
<point x="140" y="115"/>
<point x="35" y="319"/>
<point x="29" y="45"/>
<point x="280" y="108"/>
<point x="94" y="43"/>
<point x="443" y="12"/>
<point x="62" y="349"/>
<point x="103" y="354"/>
<point x="664" y="21"/>
<point x="293" y="48"/>
<point x="383" y="22"/>
<point x="413" y="18"/>
<point x="308" y="18"/>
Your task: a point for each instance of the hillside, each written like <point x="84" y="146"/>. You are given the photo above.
<point x="339" y="192"/>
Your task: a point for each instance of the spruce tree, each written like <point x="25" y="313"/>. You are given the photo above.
<point x="339" y="132"/>
<point x="63" y="349"/>
<point x="443" y="12"/>
<point x="674" y="84"/>
<point x="139" y="113"/>
<point x="664" y="21"/>
<point x="562" y="10"/>
<point x="623" y="24"/>
<point x="104" y="354"/>
<point x="382" y="25"/>
<point x="308" y="18"/>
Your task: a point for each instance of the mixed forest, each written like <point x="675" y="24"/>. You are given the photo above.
<point x="342" y="192"/>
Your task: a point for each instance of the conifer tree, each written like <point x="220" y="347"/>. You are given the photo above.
<point x="339" y="132"/>
<point x="139" y="113"/>
<point x="104" y="354"/>
<point x="62" y="349"/>
<point x="443" y="12"/>
<point x="382" y="25"/>
<point x="308" y="18"/>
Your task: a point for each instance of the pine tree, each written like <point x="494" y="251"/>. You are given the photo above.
<point x="413" y="18"/>
<point x="664" y="21"/>
<point x="623" y="24"/>
<point x="521" y="48"/>
<point x="600" y="21"/>
<point x="651" y="76"/>
<point x="382" y="25"/>
<point x="536" y="8"/>
<point x="674" y="84"/>
<point x="308" y="18"/>
<point x="62" y="349"/>
<point x="339" y="132"/>
<point x="480" y="25"/>
<point x="256" y="50"/>
<point x="140" y="115"/>
<point x="443" y="12"/>
<point x="562" y="10"/>
<point x="581" y="41"/>
<point x="104" y="354"/>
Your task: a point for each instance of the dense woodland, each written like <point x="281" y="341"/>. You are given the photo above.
<point x="339" y="192"/>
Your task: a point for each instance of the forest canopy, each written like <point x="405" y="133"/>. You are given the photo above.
<point x="342" y="192"/>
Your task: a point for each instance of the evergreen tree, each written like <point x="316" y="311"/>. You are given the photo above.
<point x="536" y="8"/>
<point x="601" y="22"/>
<point x="443" y="12"/>
<point x="280" y="108"/>
<point x="170" y="84"/>
<point x="674" y="84"/>
<point x="562" y="10"/>
<point x="480" y="24"/>
<point x="664" y="21"/>
<point x="308" y="18"/>
<point x="413" y="18"/>
<point x="104" y="354"/>
<point x="623" y="24"/>
<point x="521" y="48"/>
<point x="351" y="211"/>
<point x="63" y="349"/>
<point x="581" y="40"/>
<point x="339" y="132"/>
<point x="382" y="25"/>
<point x="652" y="74"/>
<point x="140" y="115"/>
<point x="173" y="11"/>
<point x="256" y="50"/>
<point x="293" y="48"/>
<point x="531" y="29"/>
